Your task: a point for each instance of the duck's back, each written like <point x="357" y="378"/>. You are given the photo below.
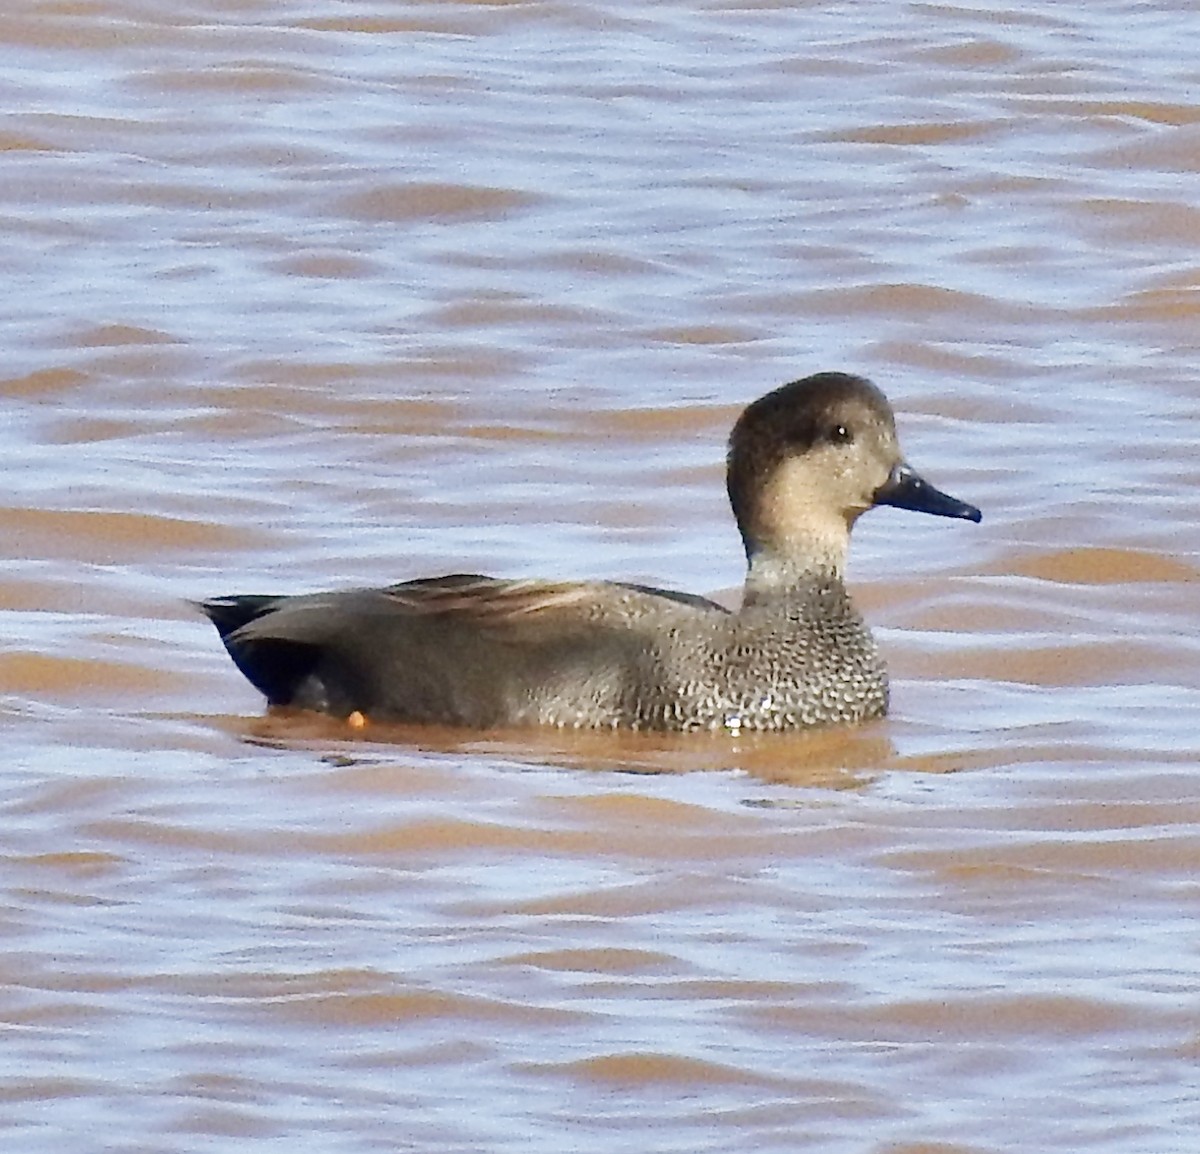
<point x="461" y="650"/>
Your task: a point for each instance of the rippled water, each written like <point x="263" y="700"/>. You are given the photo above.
<point x="301" y="294"/>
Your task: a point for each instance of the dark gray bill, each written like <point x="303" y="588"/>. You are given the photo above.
<point x="909" y="490"/>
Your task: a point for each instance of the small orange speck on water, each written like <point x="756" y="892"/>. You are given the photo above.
<point x="356" y="720"/>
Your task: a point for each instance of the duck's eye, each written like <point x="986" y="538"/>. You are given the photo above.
<point x="840" y="435"/>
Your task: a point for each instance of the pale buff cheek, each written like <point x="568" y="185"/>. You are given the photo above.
<point x="800" y="513"/>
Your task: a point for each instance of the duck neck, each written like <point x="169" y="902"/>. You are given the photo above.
<point x="771" y="574"/>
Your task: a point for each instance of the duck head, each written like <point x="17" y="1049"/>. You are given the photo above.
<point x="806" y="461"/>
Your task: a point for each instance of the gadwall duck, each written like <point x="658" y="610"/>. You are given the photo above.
<point x="804" y="462"/>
